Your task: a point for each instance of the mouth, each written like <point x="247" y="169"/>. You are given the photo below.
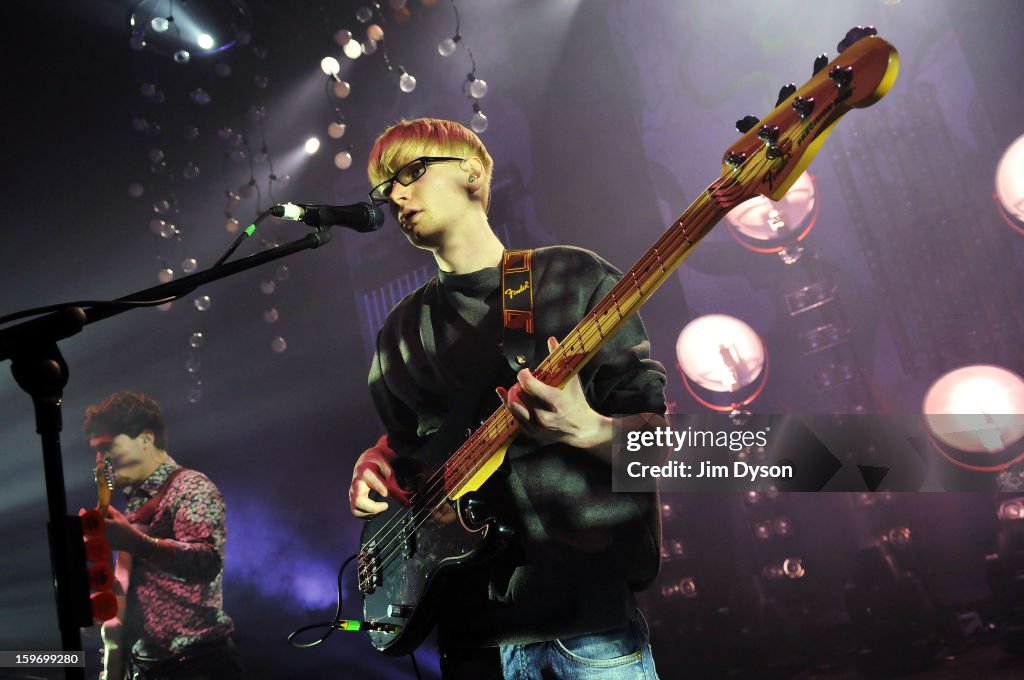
<point x="407" y="217"/>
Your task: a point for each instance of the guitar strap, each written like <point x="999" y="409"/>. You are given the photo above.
<point x="517" y="342"/>
<point x="145" y="514"/>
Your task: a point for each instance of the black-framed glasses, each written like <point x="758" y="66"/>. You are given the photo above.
<point x="406" y="175"/>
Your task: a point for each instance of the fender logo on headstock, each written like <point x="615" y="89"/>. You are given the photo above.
<point x="779" y="164"/>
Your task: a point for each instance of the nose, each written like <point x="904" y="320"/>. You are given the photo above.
<point x="398" y="193"/>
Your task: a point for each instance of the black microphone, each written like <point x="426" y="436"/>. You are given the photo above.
<point x="363" y="217"/>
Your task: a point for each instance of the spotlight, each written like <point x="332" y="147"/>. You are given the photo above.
<point x="312" y="145"/>
<point x="723" y="361"/>
<point x="766" y="226"/>
<point x="1009" y="193"/>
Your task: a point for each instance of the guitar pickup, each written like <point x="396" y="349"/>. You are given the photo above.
<point x="408" y="538"/>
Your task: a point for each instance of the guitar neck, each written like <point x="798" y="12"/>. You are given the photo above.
<point x="596" y="328"/>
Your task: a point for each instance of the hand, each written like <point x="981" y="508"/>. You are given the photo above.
<point x="120" y="533"/>
<point x="549" y="414"/>
<point x="373" y="472"/>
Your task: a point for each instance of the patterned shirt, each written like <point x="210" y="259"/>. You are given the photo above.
<point x="173" y="609"/>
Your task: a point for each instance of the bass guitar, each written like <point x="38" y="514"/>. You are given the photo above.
<point x="410" y="553"/>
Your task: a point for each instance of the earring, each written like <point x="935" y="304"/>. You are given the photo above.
<point x="472" y="178"/>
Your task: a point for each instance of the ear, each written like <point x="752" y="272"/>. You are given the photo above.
<point x="474" y="169"/>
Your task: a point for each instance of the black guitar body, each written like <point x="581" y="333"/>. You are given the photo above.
<point x="409" y="554"/>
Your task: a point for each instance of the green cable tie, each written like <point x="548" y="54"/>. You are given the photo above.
<point x="250" y="229"/>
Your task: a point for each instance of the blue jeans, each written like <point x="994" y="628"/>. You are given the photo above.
<point x="617" y="654"/>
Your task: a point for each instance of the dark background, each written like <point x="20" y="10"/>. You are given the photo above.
<point x="606" y="119"/>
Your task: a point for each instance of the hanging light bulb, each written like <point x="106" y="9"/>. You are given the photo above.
<point x="369" y="46"/>
<point x="336" y="130"/>
<point x="406" y="82"/>
<point x="364" y="14"/>
<point x="160" y="24"/>
<point x="341" y="89"/>
<point x="478" y="123"/>
<point x="475" y="87"/>
<point x="182" y="56"/>
<point x="330" y="66"/>
<point x="352" y="49"/>
<point x="342" y="37"/>
<point x="446" y="47"/>
<point x="375" y="32"/>
<point x="343" y="160"/>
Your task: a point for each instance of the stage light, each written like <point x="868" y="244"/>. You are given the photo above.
<point x="793" y="567"/>
<point x="312" y="145"/>
<point x="205" y="41"/>
<point x="722" y="360"/>
<point x="1009" y="193"/>
<point x="977" y="409"/>
<point x="767" y="226"/>
<point x="1012" y="509"/>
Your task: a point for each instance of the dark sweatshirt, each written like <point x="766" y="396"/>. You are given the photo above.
<point x="581" y="550"/>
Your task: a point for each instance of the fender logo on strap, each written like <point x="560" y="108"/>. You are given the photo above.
<point x="512" y="293"/>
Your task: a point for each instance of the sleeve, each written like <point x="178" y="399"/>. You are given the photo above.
<point x="200" y="530"/>
<point x="623" y="379"/>
<point x="400" y="423"/>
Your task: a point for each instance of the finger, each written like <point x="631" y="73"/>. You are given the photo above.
<point x="374" y="458"/>
<point x="364" y="508"/>
<point x="371" y="479"/>
<point x="552" y="344"/>
<point x="361" y="503"/>
<point x="535" y="388"/>
<point x="516" y="401"/>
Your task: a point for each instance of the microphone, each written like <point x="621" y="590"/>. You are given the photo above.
<point x="363" y="217"/>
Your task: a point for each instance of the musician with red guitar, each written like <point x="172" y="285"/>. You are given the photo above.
<point x="170" y="542"/>
<point x="558" y="596"/>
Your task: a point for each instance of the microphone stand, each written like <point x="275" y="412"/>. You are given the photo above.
<point x="40" y="370"/>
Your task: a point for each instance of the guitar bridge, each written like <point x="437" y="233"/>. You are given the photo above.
<point x="369" y="568"/>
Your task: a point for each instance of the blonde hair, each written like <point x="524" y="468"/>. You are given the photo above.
<point x="408" y="140"/>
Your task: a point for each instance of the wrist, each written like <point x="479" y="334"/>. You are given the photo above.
<point x="148" y="546"/>
<point x="597" y="435"/>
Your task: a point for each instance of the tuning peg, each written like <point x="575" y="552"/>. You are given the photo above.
<point x="747" y="123"/>
<point x="842" y="75"/>
<point x="785" y="92"/>
<point x="803" y="106"/>
<point x="855" y="34"/>
<point x="820" y="63"/>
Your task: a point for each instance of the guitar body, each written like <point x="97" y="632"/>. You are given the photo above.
<point x="411" y="554"/>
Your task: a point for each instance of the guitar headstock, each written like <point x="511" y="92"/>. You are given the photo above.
<point x="104" y="482"/>
<point x="773" y="152"/>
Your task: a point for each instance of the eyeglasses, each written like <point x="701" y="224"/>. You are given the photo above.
<point x="406" y="175"/>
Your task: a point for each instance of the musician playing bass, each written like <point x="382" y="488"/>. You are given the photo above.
<point x="559" y="601"/>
